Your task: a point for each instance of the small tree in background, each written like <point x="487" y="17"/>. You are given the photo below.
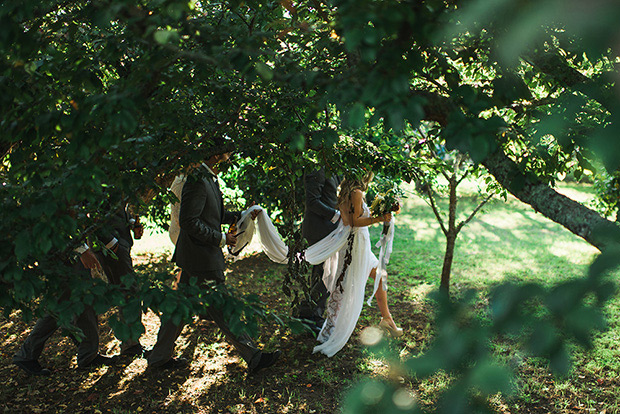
<point x="454" y="167"/>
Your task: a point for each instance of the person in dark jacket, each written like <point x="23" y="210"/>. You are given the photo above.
<point x="198" y="253"/>
<point x="27" y="357"/>
<point x="116" y="236"/>
<point x="320" y="218"/>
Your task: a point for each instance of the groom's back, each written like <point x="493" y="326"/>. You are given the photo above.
<point x="321" y="205"/>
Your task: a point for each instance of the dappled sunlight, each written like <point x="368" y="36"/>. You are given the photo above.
<point x="420" y="292"/>
<point x="505" y="220"/>
<point x="154" y="241"/>
<point x="9" y="339"/>
<point x="377" y="366"/>
<point x="8" y="325"/>
<point x="505" y="241"/>
<point x="89" y="381"/>
<point x="582" y="193"/>
<point x="417" y="229"/>
<point x="196" y="386"/>
<point x="136" y="368"/>
<point x="576" y="252"/>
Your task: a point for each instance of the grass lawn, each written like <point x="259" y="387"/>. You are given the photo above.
<point x="506" y="241"/>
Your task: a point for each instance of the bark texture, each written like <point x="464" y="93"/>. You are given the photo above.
<point x="574" y="216"/>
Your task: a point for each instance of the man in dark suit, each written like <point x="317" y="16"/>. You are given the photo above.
<point x="320" y="218"/>
<point x="27" y="357"/>
<point x="116" y="236"/>
<point x="198" y="253"/>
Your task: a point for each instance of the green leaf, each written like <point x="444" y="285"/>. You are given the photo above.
<point x="23" y="244"/>
<point x="491" y="378"/>
<point x="560" y="361"/>
<point x="264" y="71"/>
<point x="544" y="339"/>
<point x="166" y="36"/>
<point x="357" y="117"/>
<point x="168" y="306"/>
<point x="297" y="142"/>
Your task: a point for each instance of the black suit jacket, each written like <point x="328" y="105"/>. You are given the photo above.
<point x="117" y="226"/>
<point x="321" y="205"/>
<point x="201" y="216"/>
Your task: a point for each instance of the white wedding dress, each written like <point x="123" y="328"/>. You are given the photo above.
<point x="347" y="299"/>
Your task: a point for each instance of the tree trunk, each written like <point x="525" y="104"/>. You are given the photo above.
<point x="574" y="216"/>
<point x="447" y="263"/>
<point x="450" y="236"/>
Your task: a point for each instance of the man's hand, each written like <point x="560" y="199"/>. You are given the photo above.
<point x="231" y="239"/>
<point x="255" y="213"/>
<point x="89" y="260"/>
<point x="138" y="231"/>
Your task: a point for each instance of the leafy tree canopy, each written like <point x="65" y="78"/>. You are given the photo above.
<point x="104" y="101"/>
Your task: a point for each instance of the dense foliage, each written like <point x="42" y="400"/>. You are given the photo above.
<point x="103" y="102"/>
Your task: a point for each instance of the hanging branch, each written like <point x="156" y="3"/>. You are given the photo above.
<point x="436" y="210"/>
<point x="460" y="180"/>
<point x="473" y="213"/>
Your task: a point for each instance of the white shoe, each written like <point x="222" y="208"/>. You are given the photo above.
<point x="395" y="332"/>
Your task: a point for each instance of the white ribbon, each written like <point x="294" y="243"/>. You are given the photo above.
<point x="324" y="251"/>
<point x="385" y="251"/>
<point x="177" y="189"/>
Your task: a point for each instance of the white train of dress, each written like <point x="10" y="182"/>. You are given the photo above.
<point x="347" y="299"/>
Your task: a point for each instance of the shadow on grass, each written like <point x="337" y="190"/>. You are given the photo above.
<point x="489" y="250"/>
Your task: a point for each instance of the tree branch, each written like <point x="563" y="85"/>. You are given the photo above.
<point x="473" y="213"/>
<point x="574" y="216"/>
<point x="436" y="210"/>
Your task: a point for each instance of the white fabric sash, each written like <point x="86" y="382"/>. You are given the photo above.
<point x="385" y="251"/>
<point x="324" y="251"/>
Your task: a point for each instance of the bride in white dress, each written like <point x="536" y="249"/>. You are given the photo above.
<point x="356" y="263"/>
<point x="347" y="257"/>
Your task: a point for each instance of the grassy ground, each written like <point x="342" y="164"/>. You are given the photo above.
<point x="506" y="241"/>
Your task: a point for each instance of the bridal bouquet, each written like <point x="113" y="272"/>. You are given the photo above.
<point x="387" y="200"/>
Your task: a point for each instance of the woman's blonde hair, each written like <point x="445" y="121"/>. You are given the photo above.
<point x="352" y="183"/>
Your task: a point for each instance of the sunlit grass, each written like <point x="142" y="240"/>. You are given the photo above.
<point x="507" y="241"/>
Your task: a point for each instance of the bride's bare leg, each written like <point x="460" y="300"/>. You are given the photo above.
<point x="381" y="296"/>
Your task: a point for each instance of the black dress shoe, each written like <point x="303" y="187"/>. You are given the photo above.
<point x="133" y="351"/>
<point x="99" y="361"/>
<point x="33" y="368"/>
<point x="174" y="363"/>
<point x="267" y="359"/>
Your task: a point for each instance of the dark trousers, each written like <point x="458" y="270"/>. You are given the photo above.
<point x="169" y="332"/>
<point x="115" y="269"/>
<point x="45" y="327"/>
<point x="315" y="308"/>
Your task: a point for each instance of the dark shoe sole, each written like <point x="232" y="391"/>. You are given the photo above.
<point x="133" y="352"/>
<point x="273" y="358"/>
<point x="172" y="364"/>
<point x="98" y="362"/>
<point x="43" y="372"/>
